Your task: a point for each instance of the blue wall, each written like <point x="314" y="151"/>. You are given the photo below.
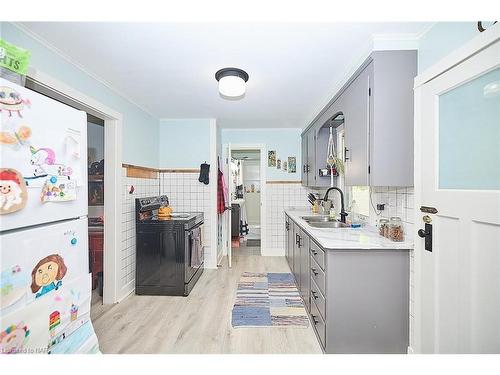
<point x="184" y="143"/>
<point x="139" y="146"/>
<point x="286" y="142"/>
<point x="441" y="39"/>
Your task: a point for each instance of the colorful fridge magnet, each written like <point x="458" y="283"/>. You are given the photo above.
<point x="11" y="101"/>
<point x="58" y="189"/>
<point x="47" y="275"/>
<point x="13" y="193"/>
<point x="13" y="338"/>
<point x="19" y="137"/>
<point x="54" y="321"/>
<point x="13" y="283"/>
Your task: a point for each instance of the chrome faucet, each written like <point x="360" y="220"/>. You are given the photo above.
<point x="343" y="214"/>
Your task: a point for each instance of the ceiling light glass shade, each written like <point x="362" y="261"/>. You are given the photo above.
<point x="232" y="82"/>
<point x="232" y="86"/>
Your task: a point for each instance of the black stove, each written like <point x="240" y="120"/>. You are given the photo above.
<point x="169" y="252"/>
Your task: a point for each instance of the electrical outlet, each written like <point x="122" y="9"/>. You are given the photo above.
<point x="381" y="206"/>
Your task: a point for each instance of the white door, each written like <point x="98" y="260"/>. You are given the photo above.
<point x="227" y="213"/>
<point x="457" y="286"/>
<point x="43" y="145"/>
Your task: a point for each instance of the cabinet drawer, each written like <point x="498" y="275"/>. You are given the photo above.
<point x="318" y="254"/>
<point x="318" y="275"/>
<point x="318" y="324"/>
<point x="318" y="298"/>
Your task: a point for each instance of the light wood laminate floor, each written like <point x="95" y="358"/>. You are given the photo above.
<point x="199" y="323"/>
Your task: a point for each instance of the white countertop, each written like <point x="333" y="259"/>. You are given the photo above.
<point x="364" y="238"/>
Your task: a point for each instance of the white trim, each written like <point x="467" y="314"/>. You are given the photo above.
<point x="76" y="64"/>
<point x="263" y="182"/>
<point x="475" y="45"/>
<point x="211" y="261"/>
<point x="112" y="174"/>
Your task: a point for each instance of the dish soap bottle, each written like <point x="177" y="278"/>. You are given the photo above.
<point x="355" y="223"/>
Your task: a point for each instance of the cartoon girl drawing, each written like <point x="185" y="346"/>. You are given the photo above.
<point x="47" y="275"/>
<point x="13" y="339"/>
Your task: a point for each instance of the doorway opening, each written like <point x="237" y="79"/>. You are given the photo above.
<point x="44" y="84"/>
<point x="95" y="165"/>
<point x="246" y="201"/>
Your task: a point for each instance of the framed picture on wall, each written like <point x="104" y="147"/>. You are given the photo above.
<point x="271" y="158"/>
<point x="292" y="164"/>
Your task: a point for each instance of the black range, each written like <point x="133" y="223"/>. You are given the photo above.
<point x="169" y="252"/>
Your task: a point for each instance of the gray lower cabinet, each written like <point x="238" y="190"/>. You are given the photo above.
<point x="289" y="241"/>
<point x="358" y="300"/>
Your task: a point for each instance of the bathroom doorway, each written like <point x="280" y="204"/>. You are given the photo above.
<point x="246" y="201"/>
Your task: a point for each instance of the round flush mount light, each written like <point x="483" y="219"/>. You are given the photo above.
<point x="232" y="82"/>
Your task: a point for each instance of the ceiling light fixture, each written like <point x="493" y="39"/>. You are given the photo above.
<point x="232" y="82"/>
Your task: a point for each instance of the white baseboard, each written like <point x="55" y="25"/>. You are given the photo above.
<point x="127" y="290"/>
<point x="267" y="252"/>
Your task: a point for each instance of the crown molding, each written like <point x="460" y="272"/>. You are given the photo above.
<point x="71" y="61"/>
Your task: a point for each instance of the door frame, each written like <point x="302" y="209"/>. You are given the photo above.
<point x="474" y="46"/>
<point x="263" y="165"/>
<point x="113" y="125"/>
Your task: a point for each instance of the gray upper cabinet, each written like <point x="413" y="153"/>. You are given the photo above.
<point x="304" y="178"/>
<point x="355" y="107"/>
<point x="377" y="104"/>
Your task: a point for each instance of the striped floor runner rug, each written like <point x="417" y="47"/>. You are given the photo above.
<point x="268" y="300"/>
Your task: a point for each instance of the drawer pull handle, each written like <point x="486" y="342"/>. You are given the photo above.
<point x="315" y="295"/>
<point x="315" y="252"/>
<point x="315" y="321"/>
<point x="314" y="271"/>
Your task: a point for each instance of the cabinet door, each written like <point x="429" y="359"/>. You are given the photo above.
<point x="305" y="278"/>
<point x="287" y="247"/>
<point x="356" y="113"/>
<point x="311" y="156"/>
<point x="291" y="243"/>
<point x="148" y="259"/>
<point x="304" y="173"/>
<point x="296" y="257"/>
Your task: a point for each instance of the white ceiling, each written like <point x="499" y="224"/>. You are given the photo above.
<point x="168" y="68"/>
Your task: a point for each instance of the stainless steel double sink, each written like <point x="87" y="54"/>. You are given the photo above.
<point x="323" y="221"/>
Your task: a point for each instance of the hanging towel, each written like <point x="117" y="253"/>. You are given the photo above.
<point x="204" y="173"/>
<point x="222" y="198"/>
<point x="196" y="248"/>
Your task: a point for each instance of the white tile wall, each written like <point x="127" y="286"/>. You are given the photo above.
<point x="278" y="198"/>
<point x="143" y="187"/>
<point x="187" y="194"/>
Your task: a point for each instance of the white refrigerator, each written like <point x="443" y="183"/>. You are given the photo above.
<point x="45" y="285"/>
